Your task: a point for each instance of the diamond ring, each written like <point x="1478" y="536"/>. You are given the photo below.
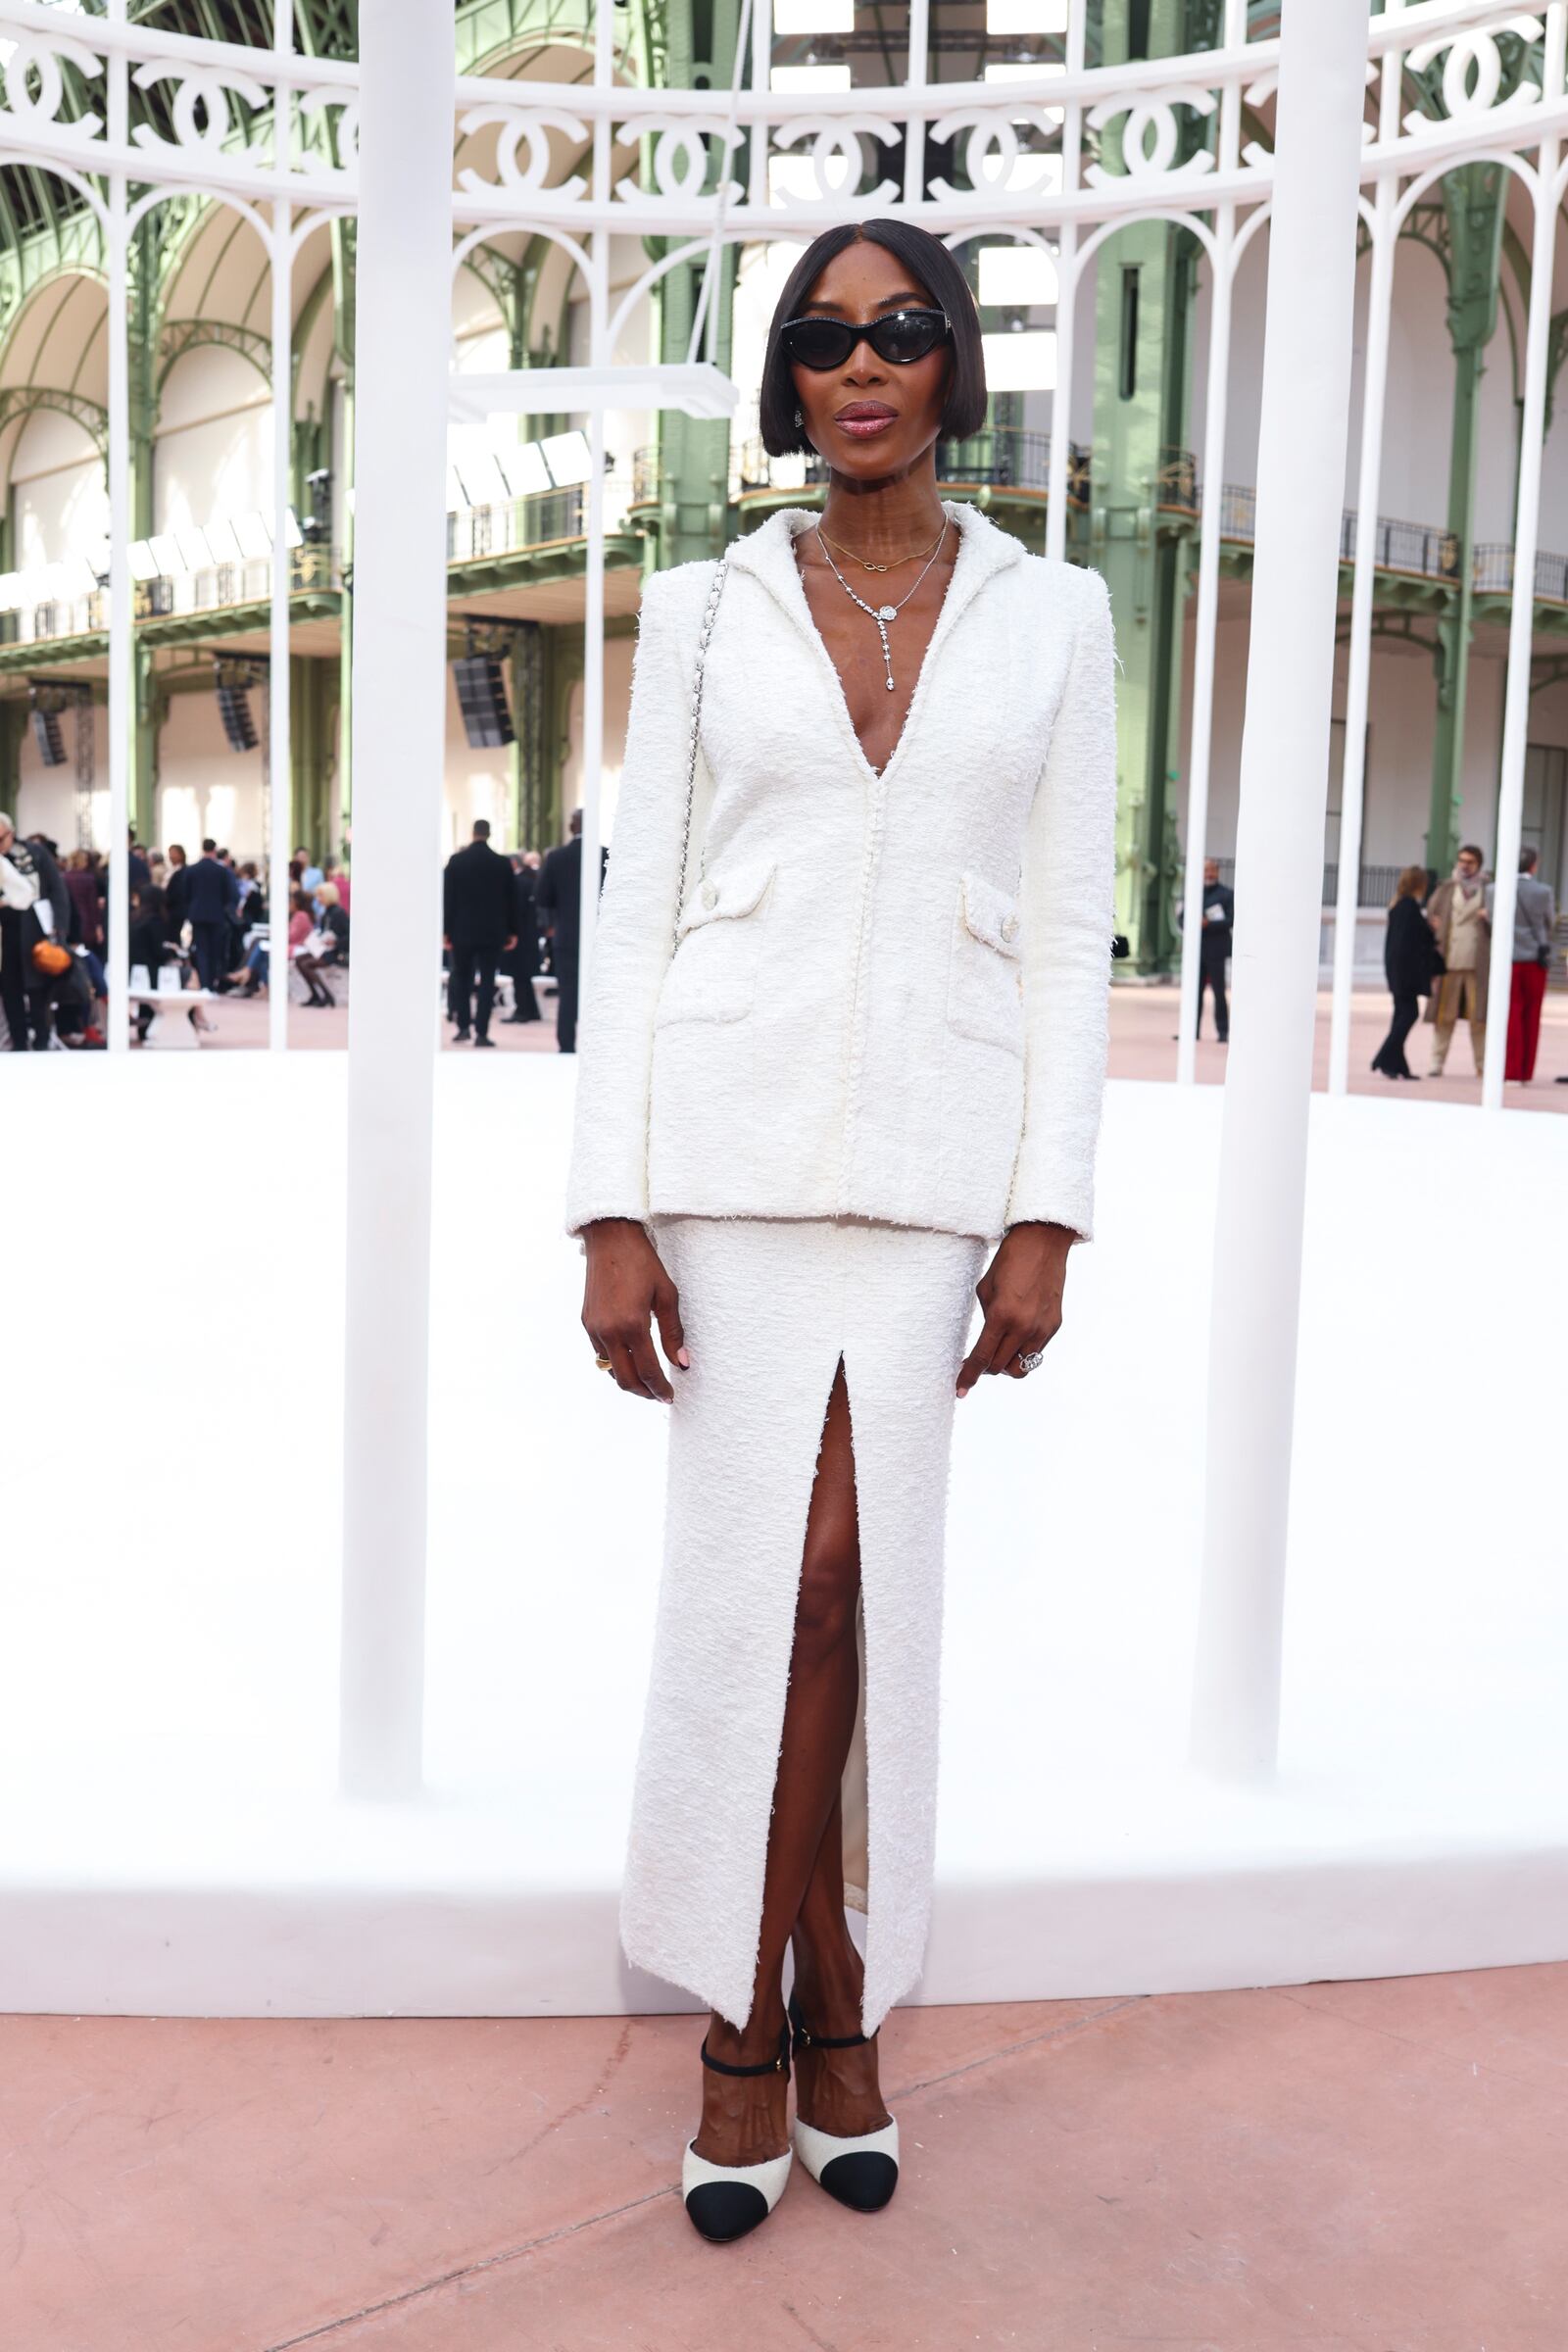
<point x="1038" y="1356"/>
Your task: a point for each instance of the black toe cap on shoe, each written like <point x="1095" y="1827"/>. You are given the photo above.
<point x="725" y="2209"/>
<point x="864" y="2182"/>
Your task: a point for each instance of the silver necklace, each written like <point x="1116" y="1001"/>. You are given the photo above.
<point x="882" y="614"/>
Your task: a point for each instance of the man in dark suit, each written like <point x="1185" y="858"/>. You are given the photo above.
<point x="1215" y="948"/>
<point x="479" y="923"/>
<point x="523" y="962"/>
<point x="558" y="899"/>
<point x="211" y="893"/>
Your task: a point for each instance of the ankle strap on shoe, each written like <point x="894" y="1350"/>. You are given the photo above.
<point x="805" y="2040"/>
<point x="778" y="2064"/>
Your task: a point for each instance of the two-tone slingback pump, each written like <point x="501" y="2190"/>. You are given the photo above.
<point x="724" y="2201"/>
<point x="861" y="2171"/>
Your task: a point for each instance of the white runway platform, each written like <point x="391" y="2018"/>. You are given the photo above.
<point x="171" y="1838"/>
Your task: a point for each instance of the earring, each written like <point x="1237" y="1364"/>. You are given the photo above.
<point x="798" y="418"/>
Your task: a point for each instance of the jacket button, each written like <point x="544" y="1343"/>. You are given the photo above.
<point x="709" y="893"/>
<point x="1009" y="926"/>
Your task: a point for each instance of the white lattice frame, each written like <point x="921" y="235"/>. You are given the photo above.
<point x="1222" y="196"/>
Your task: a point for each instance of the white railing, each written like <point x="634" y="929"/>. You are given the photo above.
<point x="1064" y="160"/>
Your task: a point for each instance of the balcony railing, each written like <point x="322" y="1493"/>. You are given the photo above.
<point x="1374" y="889"/>
<point x="999" y="457"/>
<point x="1494" y="574"/>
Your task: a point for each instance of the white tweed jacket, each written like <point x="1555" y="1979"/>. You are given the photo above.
<point x="889" y="997"/>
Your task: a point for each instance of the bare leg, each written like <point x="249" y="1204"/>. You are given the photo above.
<point x="744" y="2120"/>
<point x="837" y="2090"/>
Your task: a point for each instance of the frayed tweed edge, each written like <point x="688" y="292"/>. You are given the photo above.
<point x="768" y="1306"/>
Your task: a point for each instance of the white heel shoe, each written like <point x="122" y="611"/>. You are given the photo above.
<point x="860" y="2170"/>
<point x="723" y="2201"/>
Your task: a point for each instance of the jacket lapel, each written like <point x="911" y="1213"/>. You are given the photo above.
<point x="768" y="554"/>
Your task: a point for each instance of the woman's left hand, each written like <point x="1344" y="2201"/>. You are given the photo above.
<point x="1020" y="1293"/>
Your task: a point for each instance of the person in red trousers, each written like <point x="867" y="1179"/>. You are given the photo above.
<point x="1534" y="917"/>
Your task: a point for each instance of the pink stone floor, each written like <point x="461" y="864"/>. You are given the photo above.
<point x="1371" y="2167"/>
<point x="1143" y="1044"/>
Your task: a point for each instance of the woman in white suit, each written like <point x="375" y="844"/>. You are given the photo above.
<point x="844" y="1044"/>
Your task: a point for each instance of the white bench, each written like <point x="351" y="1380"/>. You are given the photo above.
<point x="165" y="1034"/>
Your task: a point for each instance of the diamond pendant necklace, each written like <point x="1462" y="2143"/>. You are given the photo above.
<point x="882" y="614"/>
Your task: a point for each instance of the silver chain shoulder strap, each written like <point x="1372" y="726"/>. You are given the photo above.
<point x="708" y="611"/>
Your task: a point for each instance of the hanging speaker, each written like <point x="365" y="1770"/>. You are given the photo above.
<point x="48" y="737"/>
<point x="235" y="709"/>
<point x="481" y="685"/>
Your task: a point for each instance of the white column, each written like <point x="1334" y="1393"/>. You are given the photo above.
<point x="596" y="246"/>
<point x="1257" y="1258"/>
<point x="280" y="751"/>
<point x="1216" y="403"/>
<point x="1369" y="483"/>
<point x="1066" y="300"/>
<point x="1522" y="614"/>
<point x="917" y="76"/>
<point x="121" y="656"/>
<point x="402" y="361"/>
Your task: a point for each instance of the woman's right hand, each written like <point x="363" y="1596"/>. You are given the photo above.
<point x="627" y="1287"/>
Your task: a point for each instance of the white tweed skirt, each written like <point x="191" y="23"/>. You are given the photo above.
<point x="768" y="1306"/>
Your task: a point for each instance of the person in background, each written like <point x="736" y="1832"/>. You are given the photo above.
<point x="1534" y="915"/>
<point x="211" y="892"/>
<point x="332" y="871"/>
<point x="558" y="901"/>
<point x="176" y="891"/>
<point x="334" y="926"/>
<point x="1461" y="921"/>
<point x="523" y="961"/>
<point x="310" y="875"/>
<point x="1215" y="948"/>
<point x="147" y="947"/>
<point x="19" y="893"/>
<point x="1411" y="964"/>
<point x="477" y="925"/>
<point x="47" y="922"/>
<point x="82" y="884"/>
<point x="138" y="869"/>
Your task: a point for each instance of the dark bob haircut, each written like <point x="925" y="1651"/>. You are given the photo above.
<point x="931" y="266"/>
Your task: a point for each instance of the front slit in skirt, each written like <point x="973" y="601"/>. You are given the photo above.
<point x="769" y="1305"/>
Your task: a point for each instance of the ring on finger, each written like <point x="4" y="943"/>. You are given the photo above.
<point x="1036" y="1355"/>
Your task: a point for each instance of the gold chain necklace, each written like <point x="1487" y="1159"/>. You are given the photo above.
<point x="866" y="566"/>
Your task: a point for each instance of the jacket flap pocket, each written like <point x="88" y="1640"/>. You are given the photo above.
<point x="990" y="914"/>
<point x="729" y="890"/>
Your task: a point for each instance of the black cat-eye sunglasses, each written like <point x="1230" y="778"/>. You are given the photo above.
<point x="898" y="336"/>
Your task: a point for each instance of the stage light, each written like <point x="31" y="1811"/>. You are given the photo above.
<point x="143" y="563"/>
<point x="1024" y="361"/>
<point x="809" y="78"/>
<point x="792" y="17"/>
<point x="1026" y="16"/>
<point x="166" y="556"/>
<point x="223" y="542"/>
<point x="524" y="470"/>
<point x="293" y="536"/>
<point x="193" y="547"/>
<point x="46" y="728"/>
<point x="567" y="456"/>
<point x="481" y="685"/>
<point x="235" y="709"/>
<point x="255" y="536"/>
<point x="1018" y="278"/>
<point x="11" y="597"/>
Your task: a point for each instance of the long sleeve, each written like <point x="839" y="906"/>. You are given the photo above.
<point x="1069" y="915"/>
<point x="18" y="891"/>
<point x="632" y="938"/>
